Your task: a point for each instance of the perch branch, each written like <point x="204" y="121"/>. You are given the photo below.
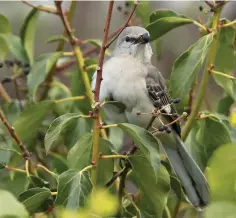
<point x="4" y="94"/>
<point x="96" y="127"/>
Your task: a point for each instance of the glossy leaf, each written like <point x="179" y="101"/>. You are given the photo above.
<point x="28" y="31"/>
<point x="79" y="156"/>
<point x="9" y="183"/>
<point x="56" y="39"/>
<point x="142" y="11"/>
<point x="156" y="193"/>
<point x="74" y="188"/>
<point x="187" y="66"/>
<point x="161" y="13"/>
<point x="5" y="26"/>
<point x="57" y="127"/>
<point x="220" y="171"/>
<point x="34" y="198"/>
<point x="225" y="60"/>
<point x="40" y="69"/>
<point x="206" y="137"/>
<point x="220" y="209"/>
<point x="13" y="44"/>
<point x="10" y="207"/>
<point x="28" y="123"/>
<point x="163" y="21"/>
<point x="148" y="146"/>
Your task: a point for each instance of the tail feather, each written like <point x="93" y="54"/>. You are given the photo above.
<point x="191" y="177"/>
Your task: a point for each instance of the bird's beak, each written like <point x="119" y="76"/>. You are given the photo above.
<point x="143" y="39"/>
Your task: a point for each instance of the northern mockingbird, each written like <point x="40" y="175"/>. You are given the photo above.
<point x="130" y="78"/>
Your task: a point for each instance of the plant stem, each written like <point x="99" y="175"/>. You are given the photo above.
<point x="46" y="169"/>
<point x="200" y="26"/>
<point x="125" y="25"/>
<point x="109" y="126"/>
<point x="41" y="8"/>
<point x="205" y="77"/>
<point x="25" y="152"/>
<point x="15" y="169"/>
<point x="75" y="98"/>
<point x="121" y="191"/>
<point x="113" y="156"/>
<point x="4" y="94"/>
<point x="96" y="125"/>
<point x="221" y="74"/>
<point x="132" y="202"/>
<point x="60" y="47"/>
<point x="228" y="24"/>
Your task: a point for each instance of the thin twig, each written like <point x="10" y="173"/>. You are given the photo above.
<point x="60" y="47"/>
<point x="25" y="153"/>
<point x="96" y="127"/>
<point x="4" y="94"/>
<point x="121" y="190"/>
<point x="124" y="26"/>
<point x="41" y="8"/>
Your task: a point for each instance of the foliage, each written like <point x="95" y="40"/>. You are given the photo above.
<point x="72" y="170"/>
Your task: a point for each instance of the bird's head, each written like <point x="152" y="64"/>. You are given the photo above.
<point x="134" y="41"/>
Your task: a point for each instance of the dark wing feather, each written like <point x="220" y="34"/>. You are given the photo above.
<point x="160" y="97"/>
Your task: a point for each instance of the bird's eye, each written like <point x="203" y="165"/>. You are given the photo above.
<point x="127" y="39"/>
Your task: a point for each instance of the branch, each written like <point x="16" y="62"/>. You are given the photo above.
<point x="124" y="26"/>
<point x="206" y="75"/>
<point x="96" y="127"/>
<point x="77" y="51"/>
<point x="41" y="8"/>
<point x="60" y="47"/>
<point x="25" y="153"/>
<point x="4" y="94"/>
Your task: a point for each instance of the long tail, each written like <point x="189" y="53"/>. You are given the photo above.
<point x="191" y="177"/>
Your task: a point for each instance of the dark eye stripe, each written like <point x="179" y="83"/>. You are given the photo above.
<point x="130" y="39"/>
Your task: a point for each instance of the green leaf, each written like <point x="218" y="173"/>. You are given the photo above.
<point x="56" y="39"/>
<point x="57" y="128"/>
<point x="161" y="13"/>
<point x="9" y="206"/>
<point x="34" y="198"/>
<point x="220" y="209"/>
<point x="28" y="123"/>
<point x="187" y="66"/>
<point x="40" y="69"/>
<point x="28" y="31"/>
<point x="225" y="60"/>
<point x="206" y="137"/>
<point x="105" y="166"/>
<point x="8" y="183"/>
<point x="155" y="194"/>
<point x="13" y="44"/>
<point x="224" y="104"/>
<point x="142" y="11"/>
<point x="148" y="149"/>
<point x="79" y="156"/>
<point x="5" y="26"/>
<point x="220" y="174"/>
<point x="37" y="182"/>
<point x="74" y="188"/>
<point x="163" y="21"/>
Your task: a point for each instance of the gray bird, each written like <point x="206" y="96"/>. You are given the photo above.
<point x="130" y="78"/>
